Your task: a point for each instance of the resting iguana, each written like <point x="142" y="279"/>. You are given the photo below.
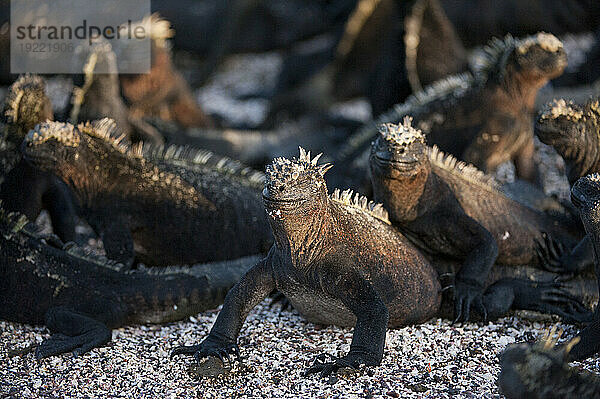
<point x="450" y="209"/>
<point x="573" y="131"/>
<point x="484" y="117"/>
<point x="160" y="205"/>
<point x="81" y="297"/>
<point x="22" y="187"/>
<point x="542" y="370"/>
<point x="337" y="259"/>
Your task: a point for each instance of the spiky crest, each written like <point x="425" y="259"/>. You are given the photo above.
<point x="492" y="58"/>
<point x="402" y="134"/>
<point x="461" y="169"/>
<point x="205" y="158"/>
<point x="355" y="200"/>
<point x="450" y="88"/>
<point x="283" y="171"/>
<point x="64" y="133"/>
<point x="106" y="130"/>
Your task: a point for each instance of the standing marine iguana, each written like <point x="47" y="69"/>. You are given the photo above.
<point x="450" y="209"/>
<point x="543" y="369"/>
<point x="337" y="259"/>
<point x="23" y="188"/>
<point x="162" y="206"/>
<point x="573" y="130"/>
<point x="485" y="117"/>
<point x="80" y="297"/>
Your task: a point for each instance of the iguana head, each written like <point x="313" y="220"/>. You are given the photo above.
<point x="529" y="61"/>
<point x="399" y="164"/>
<point x="399" y="150"/>
<point x="295" y="193"/>
<point x="585" y="195"/>
<point x="25" y="106"/>
<point x="83" y="156"/>
<point x="564" y="125"/>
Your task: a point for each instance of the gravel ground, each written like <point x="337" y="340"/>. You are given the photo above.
<point x="432" y="360"/>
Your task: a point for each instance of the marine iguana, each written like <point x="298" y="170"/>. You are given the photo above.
<point x="585" y="195"/>
<point x="337" y="259"/>
<point x="160" y="205"/>
<point x="451" y="209"/>
<point x="573" y="131"/>
<point x="81" y="297"/>
<point x="22" y="187"/>
<point x="100" y="96"/>
<point x="162" y="91"/>
<point x="542" y="370"/>
<point x="484" y="117"/>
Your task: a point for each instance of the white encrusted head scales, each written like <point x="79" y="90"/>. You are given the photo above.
<point x="402" y="134"/>
<point x="283" y="170"/>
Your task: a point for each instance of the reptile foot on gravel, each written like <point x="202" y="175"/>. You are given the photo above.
<point x="351" y="360"/>
<point x="209" y="347"/>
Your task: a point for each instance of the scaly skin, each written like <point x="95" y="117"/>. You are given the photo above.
<point x="23" y="188"/>
<point x="542" y="371"/>
<point x="451" y="209"/>
<point x="337" y="260"/>
<point x="585" y="195"/>
<point x="80" y="297"/>
<point x="573" y="131"/>
<point x="484" y="118"/>
<point x="159" y="206"/>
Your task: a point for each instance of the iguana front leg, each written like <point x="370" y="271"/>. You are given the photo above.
<point x="243" y="297"/>
<point x="469" y="238"/>
<point x="368" y="341"/>
<point x="117" y="239"/>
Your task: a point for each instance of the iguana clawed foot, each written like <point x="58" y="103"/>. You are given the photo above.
<point x="553" y="297"/>
<point x="465" y="296"/>
<point x="352" y="360"/>
<point x="211" y="346"/>
<point x="553" y="256"/>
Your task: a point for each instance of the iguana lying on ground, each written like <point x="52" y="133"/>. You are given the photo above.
<point x="162" y="92"/>
<point x="451" y="209"/>
<point x="573" y="131"/>
<point x="162" y="206"/>
<point x="337" y="259"/>
<point x="485" y="117"/>
<point x="542" y="370"/>
<point x="81" y="297"/>
<point x="22" y="187"/>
